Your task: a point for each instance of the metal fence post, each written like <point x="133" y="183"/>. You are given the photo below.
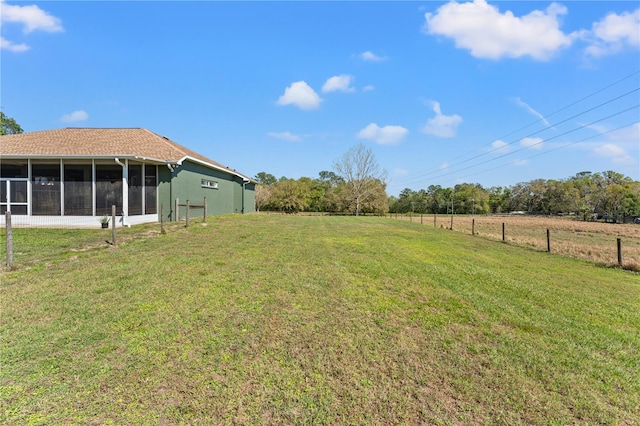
<point x="113" y="225"/>
<point x="7" y="218"/>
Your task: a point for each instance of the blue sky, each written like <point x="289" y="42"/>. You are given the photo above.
<point x="443" y="92"/>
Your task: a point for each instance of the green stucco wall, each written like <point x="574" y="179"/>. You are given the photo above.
<point x="185" y="183"/>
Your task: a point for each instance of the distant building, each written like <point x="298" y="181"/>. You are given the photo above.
<point x="74" y="176"/>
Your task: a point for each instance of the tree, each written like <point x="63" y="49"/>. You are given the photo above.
<point x="289" y="195"/>
<point x="438" y="197"/>
<point x="362" y="175"/>
<point x="266" y="179"/>
<point x="471" y="199"/>
<point x="263" y="195"/>
<point x="8" y="125"/>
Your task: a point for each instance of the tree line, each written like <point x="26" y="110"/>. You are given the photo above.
<point x="589" y="195"/>
<point x="607" y="195"/>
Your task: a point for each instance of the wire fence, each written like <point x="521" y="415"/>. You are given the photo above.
<point x="29" y="240"/>
<point x="26" y="242"/>
<point x="597" y="242"/>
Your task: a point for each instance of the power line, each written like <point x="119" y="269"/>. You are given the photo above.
<point x="542" y="141"/>
<point x="546" y="140"/>
<point x="531" y="134"/>
<point x="558" y="148"/>
<point x="550" y="115"/>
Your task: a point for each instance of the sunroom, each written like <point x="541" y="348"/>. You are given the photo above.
<point x="76" y="191"/>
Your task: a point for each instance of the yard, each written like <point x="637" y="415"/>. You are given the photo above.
<point x="262" y="319"/>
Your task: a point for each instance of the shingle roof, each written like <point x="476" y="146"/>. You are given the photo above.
<point x="100" y="142"/>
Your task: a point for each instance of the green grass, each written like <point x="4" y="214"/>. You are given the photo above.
<point x="316" y="320"/>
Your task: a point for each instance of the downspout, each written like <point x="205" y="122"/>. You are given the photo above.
<point x="125" y="191"/>
<point x="244" y="182"/>
<point x="171" y="168"/>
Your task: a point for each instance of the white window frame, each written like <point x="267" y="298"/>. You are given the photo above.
<point x="206" y="183"/>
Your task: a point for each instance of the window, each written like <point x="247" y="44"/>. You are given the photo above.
<point x="209" y="184"/>
<point x="135" y="189"/>
<point x="78" y="187"/>
<point x="45" y="189"/>
<point x="13" y="196"/>
<point x="13" y="186"/>
<point x="108" y="189"/>
<point x="13" y="169"/>
<point x="150" y="189"/>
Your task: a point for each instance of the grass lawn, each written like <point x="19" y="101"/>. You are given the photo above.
<point x="317" y="320"/>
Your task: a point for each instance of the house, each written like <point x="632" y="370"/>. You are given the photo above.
<point x="73" y="176"/>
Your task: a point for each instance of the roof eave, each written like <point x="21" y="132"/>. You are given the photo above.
<point x="85" y="157"/>
<point x="216" y="167"/>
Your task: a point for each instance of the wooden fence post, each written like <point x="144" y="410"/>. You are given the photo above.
<point x="204" y="216"/>
<point x="187" y="214"/>
<point x="420" y="218"/>
<point x="434" y="219"/>
<point x="502" y="231"/>
<point x="619" y="252"/>
<point x="473" y="227"/>
<point x="7" y="218"/>
<point x="113" y="225"/>
<point x="162" y="231"/>
<point x="452" y="221"/>
<point x="176" y="216"/>
<point x="548" y="241"/>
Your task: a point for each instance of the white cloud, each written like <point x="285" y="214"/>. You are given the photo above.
<point x="613" y="33"/>
<point x="442" y="126"/>
<point x="488" y="33"/>
<point x="12" y="47"/>
<point x="500" y="146"/>
<point x="533" y="143"/>
<point x="444" y="166"/>
<point x="301" y="95"/>
<point x="75" y="117"/>
<point x="532" y="111"/>
<point x="31" y="17"/>
<point x="371" y="57"/>
<point x="626" y="134"/>
<point x="617" y="154"/>
<point x="368" y="88"/>
<point x="387" y="135"/>
<point x="285" y="136"/>
<point x="520" y="163"/>
<point x="338" y="83"/>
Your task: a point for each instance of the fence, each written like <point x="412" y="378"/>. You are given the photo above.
<point x="607" y="244"/>
<point x="42" y="238"/>
<point x="187" y="210"/>
<point x="597" y="242"/>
